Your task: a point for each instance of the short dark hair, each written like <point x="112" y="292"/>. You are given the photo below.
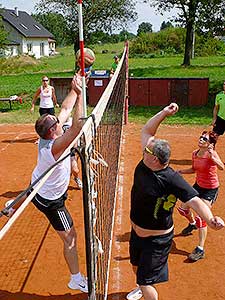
<point x="40" y="126"/>
<point x="43" y="124"/>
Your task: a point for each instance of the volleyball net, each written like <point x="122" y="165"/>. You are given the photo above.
<point x="102" y="153"/>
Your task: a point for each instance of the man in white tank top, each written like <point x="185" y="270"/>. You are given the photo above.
<point x="51" y="196"/>
<point x="47" y="96"/>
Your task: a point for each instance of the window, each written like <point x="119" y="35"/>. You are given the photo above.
<point x="24" y="26"/>
<point x="42" y="45"/>
<point x="29" y="47"/>
<point x="37" y="27"/>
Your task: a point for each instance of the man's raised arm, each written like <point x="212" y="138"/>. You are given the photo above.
<point x="150" y="128"/>
<point x="70" y="100"/>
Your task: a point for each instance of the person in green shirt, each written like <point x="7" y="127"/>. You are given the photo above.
<point x="218" y="121"/>
<point x="114" y="65"/>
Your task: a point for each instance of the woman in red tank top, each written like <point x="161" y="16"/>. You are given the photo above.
<point x="205" y="162"/>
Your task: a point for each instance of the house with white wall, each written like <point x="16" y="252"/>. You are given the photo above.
<point x="26" y="35"/>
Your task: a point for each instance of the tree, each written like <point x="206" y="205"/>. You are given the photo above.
<point x="3" y="35"/>
<point x="144" y="27"/>
<point x="99" y="36"/>
<point x="191" y="14"/>
<point x="105" y="15"/>
<point x="165" y="25"/>
<point x="214" y="22"/>
<point x="56" y="24"/>
<point x="125" y="35"/>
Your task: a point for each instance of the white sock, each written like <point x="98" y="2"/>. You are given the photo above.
<point x="194" y="223"/>
<point x="201" y="248"/>
<point x="77" y="277"/>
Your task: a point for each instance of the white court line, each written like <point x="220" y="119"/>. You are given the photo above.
<point x="17" y="137"/>
<point x="11" y="142"/>
<point x="116" y="274"/>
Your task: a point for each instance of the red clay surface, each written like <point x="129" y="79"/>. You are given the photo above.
<point x="32" y="266"/>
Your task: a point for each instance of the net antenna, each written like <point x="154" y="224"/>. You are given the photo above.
<point x="81" y="42"/>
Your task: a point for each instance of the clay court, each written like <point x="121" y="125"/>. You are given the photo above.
<point x="32" y="266"/>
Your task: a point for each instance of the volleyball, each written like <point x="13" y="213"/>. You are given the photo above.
<point x="89" y="57"/>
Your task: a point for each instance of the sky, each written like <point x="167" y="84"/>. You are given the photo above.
<point x="145" y="13"/>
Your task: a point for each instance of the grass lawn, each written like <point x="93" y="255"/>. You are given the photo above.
<point x="22" y="76"/>
<point x="186" y="115"/>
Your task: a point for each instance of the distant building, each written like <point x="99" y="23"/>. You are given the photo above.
<point x="26" y="35"/>
<point x="221" y="37"/>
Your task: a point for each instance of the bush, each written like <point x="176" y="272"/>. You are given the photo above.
<point x="167" y="41"/>
<point x="207" y="46"/>
<point x="171" y="41"/>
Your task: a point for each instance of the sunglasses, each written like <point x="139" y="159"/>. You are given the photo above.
<point x="149" y="151"/>
<point x="205" y="139"/>
<point x="55" y="121"/>
<point x="44" y="79"/>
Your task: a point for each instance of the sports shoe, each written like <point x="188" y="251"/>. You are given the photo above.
<point x="81" y="285"/>
<point x="136" y="294"/>
<point x="78" y="183"/>
<point x="10" y="211"/>
<point x="187" y="230"/>
<point x="196" y="254"/>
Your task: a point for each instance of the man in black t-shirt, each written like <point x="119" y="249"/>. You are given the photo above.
<point x="155" y="190"/>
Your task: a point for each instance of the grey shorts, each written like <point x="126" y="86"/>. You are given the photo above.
<point x="150" y="255"/>
<point x="55" y="211"/>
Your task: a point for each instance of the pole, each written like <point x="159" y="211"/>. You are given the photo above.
<point x="81" y="40"/>
<point x="193" y="43"/>
<point x="126" y="86"/>
<point x="87" y="208"/>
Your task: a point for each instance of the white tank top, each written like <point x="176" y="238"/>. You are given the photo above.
<point x="46" y="97"/>
<point x="57" y="183"/>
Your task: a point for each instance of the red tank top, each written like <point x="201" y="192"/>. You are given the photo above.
<point x="206" y="171"/>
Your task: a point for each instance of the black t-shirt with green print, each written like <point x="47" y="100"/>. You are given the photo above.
<point x="154" y="195"/>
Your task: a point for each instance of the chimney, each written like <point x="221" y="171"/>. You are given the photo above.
<point x="16" y="11"/>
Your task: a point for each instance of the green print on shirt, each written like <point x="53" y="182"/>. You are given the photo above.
<point x="168" y="203"/>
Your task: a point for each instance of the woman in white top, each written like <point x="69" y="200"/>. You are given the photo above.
<point x="47" y="96"/>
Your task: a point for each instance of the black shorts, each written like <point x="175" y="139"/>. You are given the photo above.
<point x="219" y="126"/>
<point x="207" y="194"/>
<point x="150" y="255"/>
<point x="55" y="211"/>
<point x="50" y="111"/>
